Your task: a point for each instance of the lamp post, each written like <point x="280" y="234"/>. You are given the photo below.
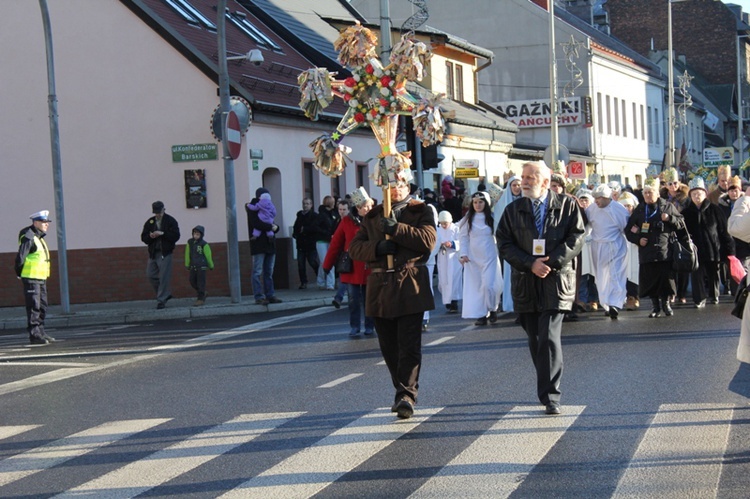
<point x="554" y="143"/>
<point x="233" y="250"/>
<point x="740" y="111"/>
<point x="670" y="90"/>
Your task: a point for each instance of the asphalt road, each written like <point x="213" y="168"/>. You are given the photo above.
<point x="289" y="406"/>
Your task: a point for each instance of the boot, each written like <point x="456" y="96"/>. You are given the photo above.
<point x="656" y="311"/>
<point x="667" y="308"/>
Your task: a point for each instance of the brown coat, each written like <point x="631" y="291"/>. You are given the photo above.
<point x="407" y="289"/>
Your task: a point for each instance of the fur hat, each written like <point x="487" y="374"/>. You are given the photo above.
<point x="735" y="181"/>
<point x="602" y="191"/>
<point x="445" y="216"/>
<point x="697" y="183"/>
<point x="650" y="184"/>
<point x="670" y="175"/>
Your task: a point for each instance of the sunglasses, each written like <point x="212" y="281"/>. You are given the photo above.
<point x="672" y="183"/>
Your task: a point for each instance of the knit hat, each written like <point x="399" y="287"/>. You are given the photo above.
<point x="697" y="183"/>
<point x="670" y="175"/>
<point x="602" y="191"/>
<point x="445" y="216"/>
<point x="259" y="191"/>
<point x="650" y="184"/>
<point x="199" y="228"/>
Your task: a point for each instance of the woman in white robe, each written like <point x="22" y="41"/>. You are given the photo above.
<point x="510" y="194"/>
<point x="739" y="227"/>
<point x="483" y="277"/>
<point x="450" y="271"/>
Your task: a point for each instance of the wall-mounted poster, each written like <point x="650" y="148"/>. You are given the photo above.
<point x="195" y="189"/>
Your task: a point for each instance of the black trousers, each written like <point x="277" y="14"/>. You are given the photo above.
<point x="544" y="331"/>
<point x="401" y="345"/>
<point x="198" y="282"/>
<point x="310" y="257"/>
<point x="35" y="295"/>
<point x="705" y="281"/>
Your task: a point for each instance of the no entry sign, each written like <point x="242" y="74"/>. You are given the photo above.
<point x="234" y="136"/>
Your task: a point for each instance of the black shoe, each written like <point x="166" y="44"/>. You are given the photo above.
<point x="613" y="313"/>
<point x="482" y="321"/>
<point x="160" y="306"/>
<point x="655" y="313"/>
<point x="273" y="299"/>
<point x="303" y="285"/>
<point x="336" y="303"/>
<point x="570" y="317"/>
<point x="493" y="317"/>
<point x="553" y="408"/>
<point x="38" y="340"/>
<point x="404" y="409"/>
<point x="261" y="302"/>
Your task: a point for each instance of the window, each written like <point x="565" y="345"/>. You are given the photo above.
<point x="336" y="187"/>
<point x="599" y="111"/>
<point x="657" y="125"/>
<point x="239" y="19"/>
<point x="191" y="14"/>
<point x="624" y="120"/>
<point x="650" y="127"/>
<point x="643" y="127"/>
<point x="449" y="90"/>
<point x="362" y="170"/>
<point x="635" y="122"/>
<point x="609" y="118"/>
<point x="617" y="116"/>
<point x="308" y="189"/>
<point x="459" y="83"/>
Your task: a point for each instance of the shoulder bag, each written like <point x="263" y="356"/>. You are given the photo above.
<point x="684" y="253"/>
<point x="344" y="264"/>
<point x="740" y="299"/>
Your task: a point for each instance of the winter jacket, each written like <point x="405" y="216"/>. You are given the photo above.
<point x="262" y="243"/>
<point x="326" y="223"/>
<point x="407" y="289"/>
<point x="341" y="240"/>
<point x="167" y="241"/>
<point x="708" y="228"/>
<point x="305" y="231"/>
<point x="659" y="232"/>
<point x="198" y="254"/>
<point x="563" y="235"/>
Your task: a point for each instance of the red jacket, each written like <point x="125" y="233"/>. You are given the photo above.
<point x="340" y="241"/>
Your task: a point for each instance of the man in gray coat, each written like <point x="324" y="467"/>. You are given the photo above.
<point x="539" y="235"/>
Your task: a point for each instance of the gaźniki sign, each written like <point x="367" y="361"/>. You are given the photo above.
<point x="538" y="113"/>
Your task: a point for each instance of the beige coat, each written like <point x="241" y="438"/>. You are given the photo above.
<point x="739" y="227"/>
<point x="407" y="289"/>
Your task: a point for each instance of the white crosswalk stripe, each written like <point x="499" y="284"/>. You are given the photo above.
<point x="680" y="454"/>
<point x="314" y="468"/>
<point x="140" y="476"/>
<point x="11" y="431"/>
<point x="57" y="452"/>
<point x="496" y="463"/>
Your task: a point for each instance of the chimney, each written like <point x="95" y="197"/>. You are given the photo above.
<point x="582" y="9"/>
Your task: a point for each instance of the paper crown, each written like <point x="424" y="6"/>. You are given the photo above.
<point x="670" y="175"/>
<point x="735" y="181"/>
<point x="650" y="184"/>
<point x="40" y="216"/>
<point x="359" y="197"/>
<point x="697" y="183"/>
<point x="627" y="199"/>
<point x="614" y="185"/>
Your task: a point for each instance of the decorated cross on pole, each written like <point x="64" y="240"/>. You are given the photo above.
<point x="376" y="96"/>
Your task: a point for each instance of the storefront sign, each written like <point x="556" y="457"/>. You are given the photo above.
<point x="467" y="168"/>
<point x="714" y="157"/>
<point x="194" y="152"/>
<point x="538" y="113"/>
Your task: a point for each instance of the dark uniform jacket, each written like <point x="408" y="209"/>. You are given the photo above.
<point x="657" y="248"/>
<point x="707" y="226"/>
<point x="166" y="242"/>
<point x="407" y="289"/>
<point x="563" y="235"/>
<point x="263" y="243"/>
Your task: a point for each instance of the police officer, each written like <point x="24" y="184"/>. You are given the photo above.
<point x="32" y="267"/>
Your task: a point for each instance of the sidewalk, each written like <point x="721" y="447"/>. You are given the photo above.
<point x="88" y="314"/>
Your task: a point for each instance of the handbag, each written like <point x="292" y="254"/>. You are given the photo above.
<point x="741" y="298"/>
<point x="684" y="253"/>
<point x="344" y="264"/>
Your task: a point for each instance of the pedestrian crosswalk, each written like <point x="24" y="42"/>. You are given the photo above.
<point x="680" y="454"/>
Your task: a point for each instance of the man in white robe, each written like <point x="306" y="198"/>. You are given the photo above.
<point x="609" y="249"/>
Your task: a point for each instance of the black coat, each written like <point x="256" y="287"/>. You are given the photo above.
<point x="263" y="243"/>
<point x="707" y="226"/>
<point x="657" y="247"/>
<point x="326" y="223"/>
<point x="305" y="230"/>
<point x="167" y="241"/>
<point x="563" y="237"/>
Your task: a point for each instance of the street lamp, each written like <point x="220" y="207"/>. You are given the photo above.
<point x="554" y="145"/>
<point x="740" y="124"/>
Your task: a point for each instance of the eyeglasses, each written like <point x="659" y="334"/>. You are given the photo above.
<point x="673" y="183"/>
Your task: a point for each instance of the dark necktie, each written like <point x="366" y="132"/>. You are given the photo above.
<point x="538" y="215"/>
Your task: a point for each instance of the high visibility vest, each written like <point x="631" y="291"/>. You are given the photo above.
<point x="36" y="265"/>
